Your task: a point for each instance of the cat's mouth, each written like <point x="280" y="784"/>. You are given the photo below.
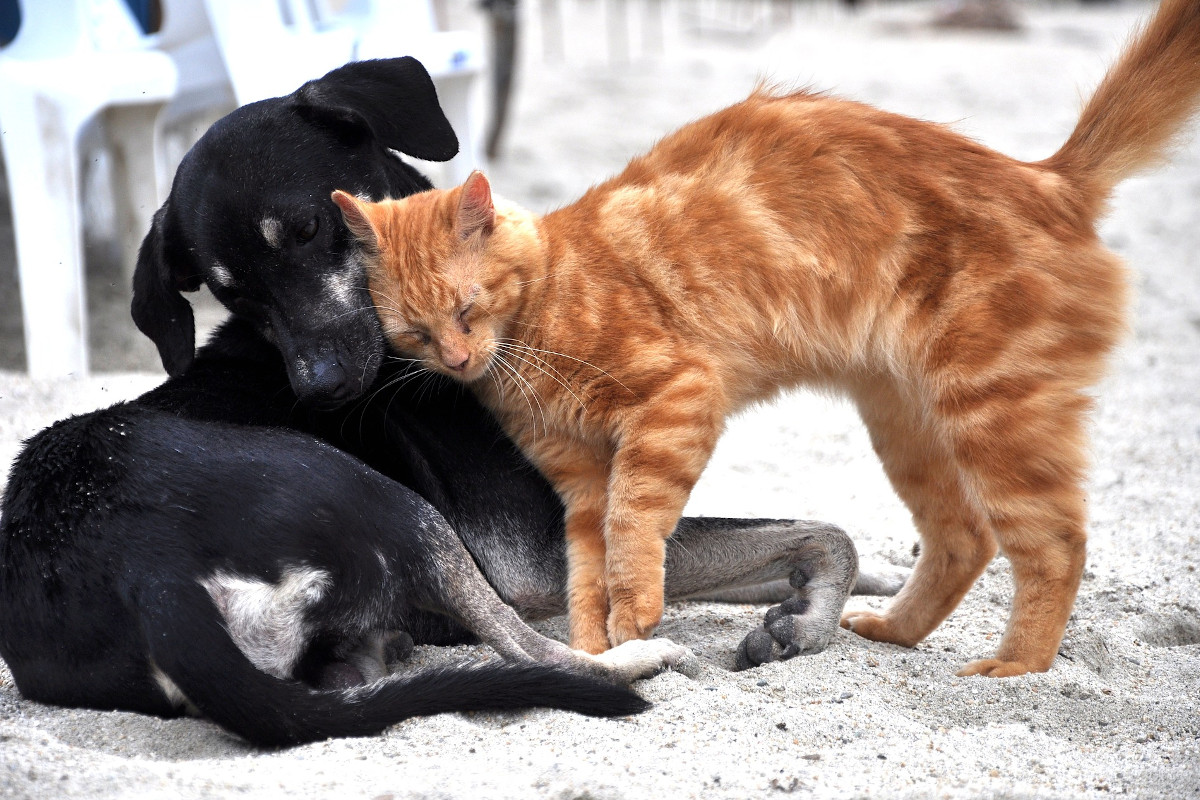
<point x="470" y="370"/>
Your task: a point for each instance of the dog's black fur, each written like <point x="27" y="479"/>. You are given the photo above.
<point x="129" y="536"/>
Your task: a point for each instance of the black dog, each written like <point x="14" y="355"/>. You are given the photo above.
<point x="218" y="546"/>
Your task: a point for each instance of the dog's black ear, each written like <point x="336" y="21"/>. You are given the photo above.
<point x="391" y="98"/>
<point x="159" y="309"/>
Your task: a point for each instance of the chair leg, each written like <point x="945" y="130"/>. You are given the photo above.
<point x="130" y="132"/>
<point x="454" y="94"/>
<point x="42" y="160"/>
<point x="503" y="14"/>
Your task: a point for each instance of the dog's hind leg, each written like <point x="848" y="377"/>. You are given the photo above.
<point x="460" y="591"/>
<point x="736" y="559"/>
<point x="876" y="580"/>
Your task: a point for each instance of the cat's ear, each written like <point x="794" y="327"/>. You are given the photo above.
<point x="357" y="217"/>
<point x="476" y="213"/>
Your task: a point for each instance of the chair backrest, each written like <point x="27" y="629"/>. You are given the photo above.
<point x="267" y="55"/>
<point x="403" y="18"/>
<point x="183" y="21"/>
<point x="57" y="28"/>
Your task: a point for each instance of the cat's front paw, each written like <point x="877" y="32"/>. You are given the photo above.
<point x="879" y="628"/>
<point x="788" y="630"/>
<point x="998" y="668"/>
<point x="635" y="617"/>
<point x="590" y="636"/>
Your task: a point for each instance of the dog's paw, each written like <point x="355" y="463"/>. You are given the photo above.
<point x="787" y="631"/>
<point x="643" y="658"/>
<point x="997" y="668"/>
<point x="399" y="648"/>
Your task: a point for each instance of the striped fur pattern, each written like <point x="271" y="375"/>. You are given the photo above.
<point x="961" y="298"/>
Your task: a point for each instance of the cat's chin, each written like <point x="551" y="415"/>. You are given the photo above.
<point x="470" y="374"/>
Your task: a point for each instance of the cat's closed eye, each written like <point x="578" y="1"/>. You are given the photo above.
<point x="415" y="335"/>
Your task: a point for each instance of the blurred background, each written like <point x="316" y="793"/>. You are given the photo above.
<point x="594" y="82"/>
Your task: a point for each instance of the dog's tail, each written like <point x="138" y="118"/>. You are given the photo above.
<point x="1139" y="108"/>
<point x="217" y="678"/>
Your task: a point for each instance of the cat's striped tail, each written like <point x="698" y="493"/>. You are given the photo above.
<point x="1141" y="105"/>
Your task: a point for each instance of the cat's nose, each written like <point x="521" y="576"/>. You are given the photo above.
<point x="457" y="361"/>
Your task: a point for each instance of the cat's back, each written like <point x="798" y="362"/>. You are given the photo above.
<point x="815" y="147"/>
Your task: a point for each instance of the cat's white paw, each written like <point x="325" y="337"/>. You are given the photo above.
<point x="642" y="658"/>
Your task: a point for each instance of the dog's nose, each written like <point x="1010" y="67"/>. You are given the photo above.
<point x="328" y="383"/>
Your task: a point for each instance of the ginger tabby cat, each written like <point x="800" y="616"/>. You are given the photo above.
<point x="962" y="299"/>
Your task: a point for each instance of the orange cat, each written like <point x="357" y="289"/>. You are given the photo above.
<point x="962" y="300"/>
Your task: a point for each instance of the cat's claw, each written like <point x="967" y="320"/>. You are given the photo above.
<point x="786" y="632"/>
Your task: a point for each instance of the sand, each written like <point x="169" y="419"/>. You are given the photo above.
<point x="1117" y="713"/>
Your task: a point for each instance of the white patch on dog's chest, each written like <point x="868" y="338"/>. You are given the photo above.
<point x="268" y="621"/>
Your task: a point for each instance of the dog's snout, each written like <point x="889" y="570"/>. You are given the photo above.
<point x="323" y="381"/>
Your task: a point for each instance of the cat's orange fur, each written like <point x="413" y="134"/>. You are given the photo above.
<point x="962" y="299"/>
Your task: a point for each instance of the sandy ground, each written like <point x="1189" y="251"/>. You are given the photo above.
<point x="1118" y="713"/>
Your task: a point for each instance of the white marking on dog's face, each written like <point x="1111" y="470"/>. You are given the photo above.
<point x="271" y="230"/>
<point x="221" y="274"/>
<point x="266" y="621"/>
<point x="340" y="287"/>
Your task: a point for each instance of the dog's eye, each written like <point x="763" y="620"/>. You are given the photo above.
<point x="309" y="230"/>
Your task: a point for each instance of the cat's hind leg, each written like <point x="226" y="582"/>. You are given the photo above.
<point x="956" y="537"/>
<point x="1027" y="459"/>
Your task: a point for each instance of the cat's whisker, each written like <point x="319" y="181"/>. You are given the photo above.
<point x="533" y="362"/>
<point x="522" y="383"/>
<point x="358" y="310"/>
<point x="535" y="280"/>
<point x="518" y="380"/>
<point x="532" y="349"/>
<point x="495" y="379"/>
<point x="522" y="347"/>
<point x="400" y="381"/>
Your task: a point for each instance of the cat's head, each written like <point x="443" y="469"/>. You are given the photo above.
<point x="443" y="295"/>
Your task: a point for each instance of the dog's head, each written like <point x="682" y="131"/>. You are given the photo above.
<point x="250" y="216"/>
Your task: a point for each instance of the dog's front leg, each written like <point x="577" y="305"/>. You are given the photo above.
<point x="721" y="558"/>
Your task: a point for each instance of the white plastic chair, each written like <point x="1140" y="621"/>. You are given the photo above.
<point x="204" y="83"/>
<point x="266" y="54"/>
<point x="454" y="59"/>
<point x="71" y="60"/>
